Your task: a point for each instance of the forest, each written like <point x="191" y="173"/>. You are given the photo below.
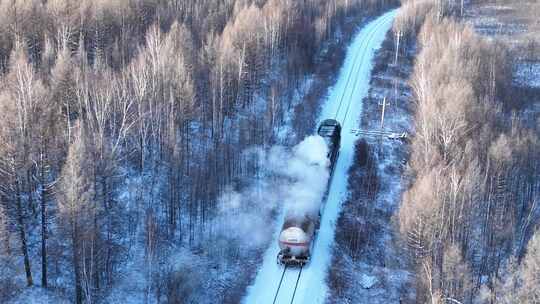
<point x="468" y="218"/>
<point x="122" y="121"/>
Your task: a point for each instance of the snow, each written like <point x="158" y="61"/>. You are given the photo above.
<point x="344" y="104"/>
<point x="367" y="281"/>
<point x="37" y="295"/>
<point x="528" y="74"/>
<point x="285" y="132"/>
<point x="380" y="271"/>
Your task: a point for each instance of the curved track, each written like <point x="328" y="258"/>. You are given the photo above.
<point x="286" y="285"/>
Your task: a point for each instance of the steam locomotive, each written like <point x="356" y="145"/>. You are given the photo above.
<point x="298" y="231"/>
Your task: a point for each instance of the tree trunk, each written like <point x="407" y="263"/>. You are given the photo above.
<point x="22" y="234"/>
<point x="43" y="238"/>
<point x="76" y="261"/>
<point x="43" y="223"/>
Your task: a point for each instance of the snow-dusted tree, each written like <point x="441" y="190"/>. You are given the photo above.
<point x="466" y="172"/>
<point x="411" y="17"/>
<point x="4" y="233"/>
<point x="129" y="73"/>
<point x="45" y="156"/>
<point x="75" y="196"/>
<point x="529" y="291"/>
<point x="456" y="275"/>
<point x="21" y="95"/>
<point x="7" y="271"/>
<point x="62" y="90"/>
<point x="503" y="290"/>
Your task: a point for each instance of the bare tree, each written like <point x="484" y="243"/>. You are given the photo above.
<point x="23" y="93"/>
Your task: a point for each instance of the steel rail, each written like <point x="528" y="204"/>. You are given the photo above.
<point x="279" y="286"/>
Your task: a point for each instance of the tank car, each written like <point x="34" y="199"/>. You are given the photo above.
<point x="299" y="230"/>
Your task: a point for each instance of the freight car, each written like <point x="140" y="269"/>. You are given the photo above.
<point x="330" y="130"/>
<point x="299" y="230"/>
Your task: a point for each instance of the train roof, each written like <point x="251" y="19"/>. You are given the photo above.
<point x="327" y="130"/>
<point x="330" y="122"/>
<point x="329" y="127"/>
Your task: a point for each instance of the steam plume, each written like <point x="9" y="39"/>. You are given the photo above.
<point x="294" y="180"/>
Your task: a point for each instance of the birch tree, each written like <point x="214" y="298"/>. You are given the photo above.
<point x="22" y="94"/>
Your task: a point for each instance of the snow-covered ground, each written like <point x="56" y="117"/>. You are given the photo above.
<point x="345" y="104"/>
<point x="36" y="295"/>
<point x="528" y="74"/>
<point x="367" y="257"/>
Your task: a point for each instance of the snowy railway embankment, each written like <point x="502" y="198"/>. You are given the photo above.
<point x="368" y="265"/>
<point x="344" y="103"/>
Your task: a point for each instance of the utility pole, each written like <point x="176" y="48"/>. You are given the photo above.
<point x="398" y="36"/>
<point x="383" y="104"/>
<point x="395" y="91"/>
<point x="390" y="134"/>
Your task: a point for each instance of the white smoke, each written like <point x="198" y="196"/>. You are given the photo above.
<point x="309" y="170"/>
<point x="294" y="180"/>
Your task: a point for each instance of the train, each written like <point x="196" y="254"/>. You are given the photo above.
<point x="299" y="230"/>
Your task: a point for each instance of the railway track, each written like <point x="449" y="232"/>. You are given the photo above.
<point x="287" y="295"/>
<point x="293" y="285"/>
<point x="283" y="296"/>
<point x="354" y="73"/>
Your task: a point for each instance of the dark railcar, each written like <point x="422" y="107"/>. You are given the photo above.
<point x="330" y="130"/>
